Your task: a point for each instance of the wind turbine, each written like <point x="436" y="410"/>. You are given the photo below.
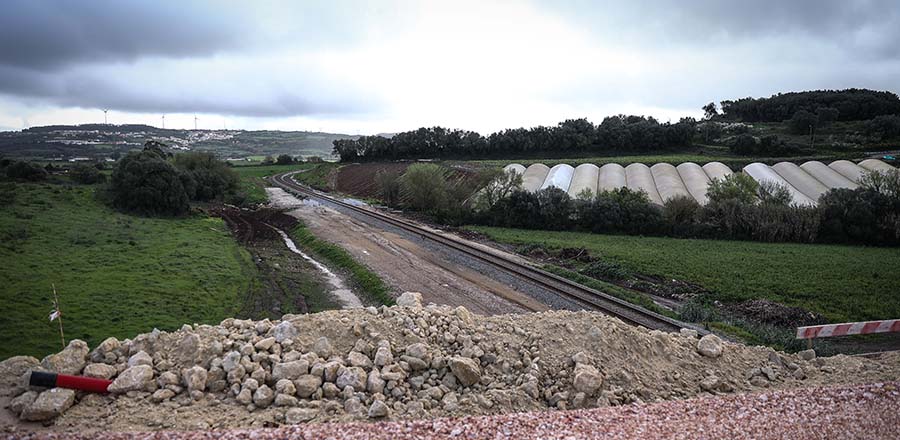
<point x="164" y="122"/>
<point x="105" y="121"/>
<point x="195" y="122"/>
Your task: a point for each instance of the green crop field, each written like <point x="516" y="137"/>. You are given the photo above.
<point x="116" y="274"/>
<point x="844" y="283"/>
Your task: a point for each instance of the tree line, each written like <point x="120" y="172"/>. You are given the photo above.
<point x="840" y="105"/>
<point x="614" y="133"/>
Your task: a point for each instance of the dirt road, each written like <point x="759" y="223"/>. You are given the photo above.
<point x="405" y="265"/>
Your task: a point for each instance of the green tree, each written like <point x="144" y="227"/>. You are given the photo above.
<point x="284" y="159"/>
<point x="204" y="177"/>
<point x="710" y="111"/>
<point x="738" y="186"/>
<point x="86" y="174"/>
<point x="145" y="182"/>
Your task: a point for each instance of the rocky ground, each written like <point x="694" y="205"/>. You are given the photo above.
<point x="396" y="363"/>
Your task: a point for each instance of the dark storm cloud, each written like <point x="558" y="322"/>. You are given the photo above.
<point x="52" y="34"/>
<point x="78" y="53"/>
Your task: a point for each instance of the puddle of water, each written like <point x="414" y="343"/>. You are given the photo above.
<point x="339" y="289"/>
<point x="355" y="202"/>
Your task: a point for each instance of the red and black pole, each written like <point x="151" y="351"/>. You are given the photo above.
<point x="51" y="380"/>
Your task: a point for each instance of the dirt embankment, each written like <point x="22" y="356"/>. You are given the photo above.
<point x="403" y="362"/>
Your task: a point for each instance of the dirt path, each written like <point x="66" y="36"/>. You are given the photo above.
<point x="405" y="265"/>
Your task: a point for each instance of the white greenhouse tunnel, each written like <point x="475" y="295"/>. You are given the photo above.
<point x="663" y="181"/>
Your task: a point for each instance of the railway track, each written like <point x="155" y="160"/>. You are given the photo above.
<point x="585" y="297"/>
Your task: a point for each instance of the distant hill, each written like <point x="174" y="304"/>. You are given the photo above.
<point x="105" y="140"/>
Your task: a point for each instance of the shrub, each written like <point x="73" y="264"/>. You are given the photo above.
<point x="424" y="187"/>
<point x="284" y="159"/>
<point x="555" y="208"/>
<point x="737" y="186"/>
<point x="21" y="170"/>
<point x="619" y="211"/>
<point x="801" y="122"/>
<point x="145" y="182"/>
<point x="773" y="193"/>
<point x="862" y="215"/>
<point x="86" y="174"/>
<point x="884" y="127"/>
<point x="607" y="270"/>
<point x="204" y="177"/>
<point x="501" y="185"/>
<point x="388" y="184"/>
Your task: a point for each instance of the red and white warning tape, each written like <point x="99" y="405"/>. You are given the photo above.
<point x="850" y="328"/>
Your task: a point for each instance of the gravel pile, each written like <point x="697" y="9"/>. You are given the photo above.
<point x="403" y="362"/>
<point x="856" y="412"/>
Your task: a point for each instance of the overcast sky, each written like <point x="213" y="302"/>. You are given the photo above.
<point x="386" y="66"/>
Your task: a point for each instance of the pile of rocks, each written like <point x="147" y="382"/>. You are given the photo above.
<point x="406" y="361"/>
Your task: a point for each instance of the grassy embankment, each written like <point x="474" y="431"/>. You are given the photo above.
<point x="843" y="283"/>
<point x="116" y="274"/>
<point x="253" y="181"/>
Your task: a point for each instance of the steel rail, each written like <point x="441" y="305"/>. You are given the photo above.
<point x="584" y="296"/>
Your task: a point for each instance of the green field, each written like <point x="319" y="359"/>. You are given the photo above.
<point x="844" y="283"/>
<point x="253" y="181"/>
<point x="116" y="274"/>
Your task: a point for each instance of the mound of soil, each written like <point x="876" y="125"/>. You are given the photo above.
<point x="770" y="312"/>
<point x="254" y="225"/>
<point x="408" y="362"/>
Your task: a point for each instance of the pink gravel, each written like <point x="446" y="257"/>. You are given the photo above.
<point x="854" y="412"/>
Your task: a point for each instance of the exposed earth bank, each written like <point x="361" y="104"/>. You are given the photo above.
<point x="402" y="362"/>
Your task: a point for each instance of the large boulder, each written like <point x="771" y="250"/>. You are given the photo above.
<point x="466" y="370"/>
<point x="352" y="376"/>
<point x="14" y="374"/>
<point x="69" y="361"/>
<point x="587" y="379"/>
<point x="710" y="346"/>
<point x="307" y="385"/>
<point x="195" y="378"/>
<point x="410" y="299"/>
<point x="135" y="378"/>
<point x="100" y="371"/>
<point x="284" y="331"/>
<point x="290" y="370"/>
<point x="49" y="404"/>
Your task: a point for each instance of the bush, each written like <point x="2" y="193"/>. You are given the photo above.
<point x="86" y="174"/>
<point x="204" y="177"/>
<point x="388" y="184"/>
<point x="21" y="170"/>
<point x="737" y="186"/>
<point x="801" y="122"/>
<point x="773" y="193"/>
<point x="284" y="159"/>
<point x="145" y="182"/>
<point x="606" y="270"/>
<point x="884" y="127"/>
<point x="555" y="208"/>
<point x="424" y="187"/>
<point x="619" y="211"/>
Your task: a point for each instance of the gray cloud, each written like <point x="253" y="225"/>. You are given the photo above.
<point x="46" y="35"/>
<point x="867" y="28"/>
<point x="78" y="53"/>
